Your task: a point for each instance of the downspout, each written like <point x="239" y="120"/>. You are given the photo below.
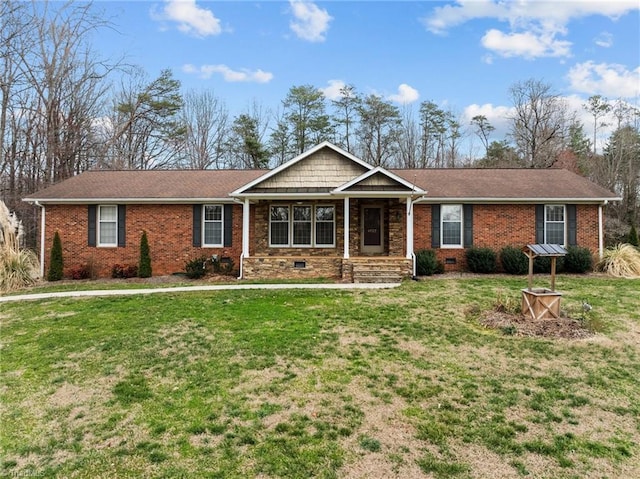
<point x="245" y="234"/>
<point x="42" y="225"/>
<point x="410" y="203"/>
<point x="601" y="230"/>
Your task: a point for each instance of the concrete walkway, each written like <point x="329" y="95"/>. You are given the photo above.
<point x="180" y="289"/>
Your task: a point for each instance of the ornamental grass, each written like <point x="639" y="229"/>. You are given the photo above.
<point x="18" y="267"/>
<point x="621" y="261"/>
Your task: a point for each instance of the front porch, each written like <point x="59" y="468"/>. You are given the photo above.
<point x="359" y="269"/>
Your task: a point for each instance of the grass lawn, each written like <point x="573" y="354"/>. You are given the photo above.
<point x="316" y="383"/>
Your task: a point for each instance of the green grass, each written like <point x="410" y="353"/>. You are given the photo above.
<point x="319" y="383"/>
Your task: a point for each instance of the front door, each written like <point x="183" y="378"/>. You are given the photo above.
<point x="372" y="230"/>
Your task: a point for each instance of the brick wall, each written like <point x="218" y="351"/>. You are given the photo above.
<point x="496" y="226"/>
<point x="169" y="231"/>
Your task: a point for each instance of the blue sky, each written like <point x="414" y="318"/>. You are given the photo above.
<point x="462" y="55"/>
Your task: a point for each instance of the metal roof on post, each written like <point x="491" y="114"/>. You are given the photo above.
<point x="545" y="250"/>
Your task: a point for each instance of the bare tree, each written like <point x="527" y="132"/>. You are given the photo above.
<point x="408" y="141"/>
<point x="205" y="118"/>
<point x="539" y="124"/>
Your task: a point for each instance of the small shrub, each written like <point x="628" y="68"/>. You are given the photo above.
<point x="56" y="264"/>
<point x="79" y="272"/>
<point x="578" y="260"/>
<point x="481" y="260"/>
<point x="196" y="268"/>
<point x="633" y="236"/>
<point x="124" y="271"/>
<point x="144" y="266"/>
<point x="542" y="264"/>
<point x="622" y="261"/>
<point x="223" y="265"/>
<point x="427" y="263"/>
<point x="513" y="260"/>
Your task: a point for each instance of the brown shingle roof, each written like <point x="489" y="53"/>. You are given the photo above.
<point x="455" y="184"/>
<point x="502" y="184"/>
<point x="148" y="185"/>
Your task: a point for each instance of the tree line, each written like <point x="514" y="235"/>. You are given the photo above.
<point x="66" y="109"/>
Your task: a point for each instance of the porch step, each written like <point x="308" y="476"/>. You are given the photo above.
<point x="378" y="272"/>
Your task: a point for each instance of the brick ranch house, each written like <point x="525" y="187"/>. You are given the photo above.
<point x="325" y="213"/>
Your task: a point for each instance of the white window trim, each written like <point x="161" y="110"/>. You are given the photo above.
<point x="221" y="221"/>
<point x="452" y="246"/>
<point x="315" y="222"/>
<point x="291" y="221"/>
<point x="99" y="222"/>
<point x="311" y="222"/>
<point x="280" y="245"/>
<point x="564" y="223"/>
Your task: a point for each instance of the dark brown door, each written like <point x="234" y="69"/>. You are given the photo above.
<point x="372" y="229"/>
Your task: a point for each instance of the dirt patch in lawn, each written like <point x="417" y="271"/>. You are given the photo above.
<point x="519" y="325"/>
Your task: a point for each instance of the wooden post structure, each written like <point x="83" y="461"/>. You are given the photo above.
<point x="542" y="303"/>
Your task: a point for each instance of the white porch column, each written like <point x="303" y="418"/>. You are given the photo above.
<point x="409" y="229"/>
<point x="245" y="228"/>
<point x="346" y="228"/>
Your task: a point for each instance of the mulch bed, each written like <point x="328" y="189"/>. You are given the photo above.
<point x="519" y="325"/>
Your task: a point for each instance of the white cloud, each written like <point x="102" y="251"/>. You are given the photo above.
<point x="191" y="19"/>
<point x="406" y="94"/>
<point x="528" y="44"/>
<point x="604" y="40"/>
<point x="310" y="22"/>
<point x="608" y="79"/>
<point x="535" y="25"/>
<point x="332" y="91"/>
<point x="229" y="75"/>
<point x="497" y="116"/>
<point x="523" y="12"/>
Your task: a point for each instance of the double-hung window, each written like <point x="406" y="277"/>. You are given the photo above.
<point x="279" y="226"/>
<point x="107" y="225"/>
<point x="325" y="226"/>
<point x="212" y="225"/>
<point x="302" y="226"/>
<point x="554" y="224"/>
<point x="451" y="227"/>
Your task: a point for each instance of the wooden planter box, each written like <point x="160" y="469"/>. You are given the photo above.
<point x="541" y="303"/>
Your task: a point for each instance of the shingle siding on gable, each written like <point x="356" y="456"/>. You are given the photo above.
<point x="324" y="169"/>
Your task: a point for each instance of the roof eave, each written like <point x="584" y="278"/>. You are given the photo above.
<point x="427" y="199"/>
<point x="90" y="201"/>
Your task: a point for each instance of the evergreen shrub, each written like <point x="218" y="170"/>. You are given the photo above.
<point x="427" y="263"/>
<point x="513" y="260"/>
<point x="481" y="260"/>
<point x="144" y="266"/>
<point x="578" y="260"/>
<point x="56" y="264"/>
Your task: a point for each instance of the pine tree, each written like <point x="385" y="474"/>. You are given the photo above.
<point x="144" y="267"/>
<point x="56" y="265"/>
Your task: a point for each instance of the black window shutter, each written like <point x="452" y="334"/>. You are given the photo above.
<point x="93" y="211"/>
<point x="122" y="224"/>
<point x="197" y="225"/>
<point x="228" y="225"/>
<point x="572" y="225"/>
<point x="539" y="224"/>
<point x="467" y="213"/>
<point x="435" y="226"/>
